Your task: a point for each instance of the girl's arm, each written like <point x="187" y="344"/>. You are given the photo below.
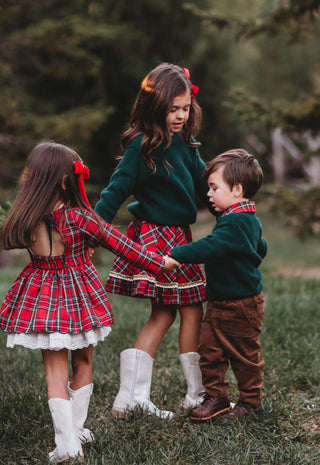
<point x="121" y="184"/>
<point x="112" y="239"/>
<point x="200" y="184"/>
<point x="198" y="169"/>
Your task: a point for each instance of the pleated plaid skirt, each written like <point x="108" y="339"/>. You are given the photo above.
<point x="183" y="286"/>
<point x="49" y="296"/>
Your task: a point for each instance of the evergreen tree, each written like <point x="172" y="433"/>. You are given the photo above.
<point x="71" y="71"/>
<point x="277" y="93"/>
<point x="276" y="58"/>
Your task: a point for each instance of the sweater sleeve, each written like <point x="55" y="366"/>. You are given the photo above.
<point x="121" y="184"/>
<point x="262" y="248"/>
<point x="200" y="184"/>
<point x="232" y="234"/>
<point x="217" y="244"/>
<point x="112" y="239"/>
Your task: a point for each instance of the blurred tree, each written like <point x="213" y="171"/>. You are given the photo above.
<point x="276" y="94"/>
<point x="50" y="75"/>
<point x="275" y="60"/>
<point x="71" y="71"/>
<point x="4" y="210"/>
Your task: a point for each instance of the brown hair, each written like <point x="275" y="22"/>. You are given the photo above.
<point x="39" y="189"/>
<point x="148" y="117"/>
<point x="239" y="167"/>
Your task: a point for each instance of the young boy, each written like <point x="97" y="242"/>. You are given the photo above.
<point x="232" y="254"/>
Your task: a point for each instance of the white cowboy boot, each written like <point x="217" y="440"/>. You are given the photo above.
<point x="192" y="373"/>
<point x="68" y="444"/>
<point x="80" y="404"/>
<point x="135" y="383"/>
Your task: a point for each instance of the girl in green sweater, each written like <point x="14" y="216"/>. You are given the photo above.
<point x="162" y="169"/>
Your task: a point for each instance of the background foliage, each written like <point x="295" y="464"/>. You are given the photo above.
<point x="70" y="71"/>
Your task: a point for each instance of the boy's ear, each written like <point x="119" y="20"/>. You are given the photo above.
<point x="237" y="190"/>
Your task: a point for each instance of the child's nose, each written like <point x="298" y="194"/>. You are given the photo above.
<point x="180" y="114"/>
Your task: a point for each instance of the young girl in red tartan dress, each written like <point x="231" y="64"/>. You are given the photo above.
<point x="58" y="302"/>
<point x="162" y="169"/>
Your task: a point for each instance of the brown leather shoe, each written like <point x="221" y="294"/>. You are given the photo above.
<point x="211" y="407"/>
<point x="241" y="409"/>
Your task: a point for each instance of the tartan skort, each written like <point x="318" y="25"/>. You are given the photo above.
<point x="183" y="286"/>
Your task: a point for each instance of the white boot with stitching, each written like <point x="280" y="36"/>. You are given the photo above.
<point x="80" y="404"/>
<point x="68" y="445"/>
<point x="192" y="373"/>
<point x="135" y="383"/>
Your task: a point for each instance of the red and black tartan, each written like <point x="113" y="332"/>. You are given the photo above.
<point x="182" y="286"/>
<point x="247" y="206"/>
<point x="65" y="293"/>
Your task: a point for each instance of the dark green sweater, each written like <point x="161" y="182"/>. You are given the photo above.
<point x="231" y="255"/>
<point x="165" y="197"/>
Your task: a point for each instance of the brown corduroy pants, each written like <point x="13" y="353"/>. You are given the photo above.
<point x="230" y="334"/>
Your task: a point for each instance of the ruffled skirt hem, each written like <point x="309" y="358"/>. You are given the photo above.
<point x="58" y="341"/>
<point x="173" y="293"/>
<point x="183" y="286"/>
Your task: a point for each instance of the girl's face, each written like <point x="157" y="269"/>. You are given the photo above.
<point x="178" y="112"/>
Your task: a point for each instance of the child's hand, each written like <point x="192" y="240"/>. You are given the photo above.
<point x="170" y="263"/>
<point x="91" y="251"/>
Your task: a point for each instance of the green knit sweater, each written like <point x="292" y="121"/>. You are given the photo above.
<point x="231" y="255"/>
<point x="165" y="197"/>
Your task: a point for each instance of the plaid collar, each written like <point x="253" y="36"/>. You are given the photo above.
<point x="241" y="207"/>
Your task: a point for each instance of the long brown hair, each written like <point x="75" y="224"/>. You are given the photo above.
<point x="48" y="166"/>
<point x="148" y="117"/>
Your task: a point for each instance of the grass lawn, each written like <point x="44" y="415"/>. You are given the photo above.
<point x="285" y="431"/>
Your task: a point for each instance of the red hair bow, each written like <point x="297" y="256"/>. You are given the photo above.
<point x="83" y="172"/>
<point x="195" y="88"/>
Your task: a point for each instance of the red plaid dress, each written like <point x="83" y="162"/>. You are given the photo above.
<point x="183" y="286"/>
<point x="64" y="293"/>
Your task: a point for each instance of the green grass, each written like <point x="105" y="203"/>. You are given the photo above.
<point x="285" y="431"/>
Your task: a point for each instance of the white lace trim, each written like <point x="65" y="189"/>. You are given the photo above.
<point x="145" y="277"/>
<point x="58" y="341"/>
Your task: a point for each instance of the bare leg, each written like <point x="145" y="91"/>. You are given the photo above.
<point x="136" y="364"/>
<point x="81" y="362"/>
<point x="150" y="337"/>
<point x="80" y="390"/>
<point x="68" y="445"/>
<point x="57" y="373"/>
<point x="189" y="334"/>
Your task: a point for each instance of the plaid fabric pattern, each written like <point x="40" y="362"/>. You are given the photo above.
<point x="241" y="207"/>
<point x="184" y="286"/>
<point x="65" y="293"/>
